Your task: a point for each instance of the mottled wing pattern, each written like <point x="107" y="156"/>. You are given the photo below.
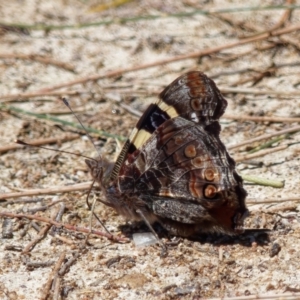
<point x="185" y="174"/>
<point x="193" y="96"/>
<point x="175" y="165"/>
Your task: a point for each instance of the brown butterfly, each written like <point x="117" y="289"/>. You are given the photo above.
<point x="174" y="169"/>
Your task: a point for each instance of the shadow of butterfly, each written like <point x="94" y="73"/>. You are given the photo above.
<point x="174" y="169"/>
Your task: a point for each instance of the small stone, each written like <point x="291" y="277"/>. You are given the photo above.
<point x="274" y="250"/>
<point x="144" y="239"/>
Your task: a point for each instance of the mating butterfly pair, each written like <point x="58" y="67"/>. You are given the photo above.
<point x="174" y="169"/>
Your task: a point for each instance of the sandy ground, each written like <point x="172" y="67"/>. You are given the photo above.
<point x="259" y="79"/>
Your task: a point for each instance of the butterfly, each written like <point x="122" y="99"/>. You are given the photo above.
<point x="174" y="169"/>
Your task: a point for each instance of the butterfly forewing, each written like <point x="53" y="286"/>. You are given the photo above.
<point x="193" y="96"/>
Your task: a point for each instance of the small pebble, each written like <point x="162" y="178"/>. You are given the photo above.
<point x="144" y="239"/>
<point x="274" y="250"/>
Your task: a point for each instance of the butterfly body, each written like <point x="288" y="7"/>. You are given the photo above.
<point x="174" y="167"/>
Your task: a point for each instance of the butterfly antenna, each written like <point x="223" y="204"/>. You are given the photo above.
<point x="67" y="152"/>
<point x="66" y="103"/>
<point x="91" y="208"/>
<point x="164" y="249"/>
<point x="20" y="142"/>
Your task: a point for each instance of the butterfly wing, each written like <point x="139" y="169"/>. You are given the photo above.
<point x="193" y="96"/>
<point x="184" y="174"/>
<point x="175" y="166"/>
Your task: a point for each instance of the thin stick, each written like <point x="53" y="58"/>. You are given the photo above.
<point x="248" y="70"/>
<point x="56" y="289"/>
<point x="285" y="16"/>
<point x="290" y="40"/>
<point x="266" y="136"/>
<point x="261" y="119"/>
<point x="287" y="296"/>
<point x="227" y="90"/>
<point x="176" y="58"/>
<point x="259" y="154"/>
<point x="62" y="225"/>
<point x="38" y="238"/>
<point x="58" y="218"/>
<point x="64" y="239"/>
<point x="270" y="143"/>
<point x="279" y="208"/>
<point x="38" y="58"/>
<point x="53" y="274"/>
<point x="272" y="200"/>
<point x="68" y="264"/>
<point x="196" y="54"/>
<point x="48" y="191"/>
<point x="150" y="17"/>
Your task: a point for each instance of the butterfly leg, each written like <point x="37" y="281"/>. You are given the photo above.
<point x="164" y="249"/>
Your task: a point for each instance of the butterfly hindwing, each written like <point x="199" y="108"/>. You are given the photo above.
<point x="181" y="163"/>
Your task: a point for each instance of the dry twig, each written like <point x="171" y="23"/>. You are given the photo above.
<point x="227" y="90"/>
<point x="285" y="296"/>
<point x="52" y="276"/>
<point x="261" y="119"/>
<point x="61" y="225"/>
<point x="38" y="238"/>
<point x="259" y="154"/>
<point x="39" y="58"/>
<point x="285" y="16"/>
<point x="270" y="200"/>
<point x="266" y="136"/>
<point x="48" y="191"/>
<point x="196" y="54"/>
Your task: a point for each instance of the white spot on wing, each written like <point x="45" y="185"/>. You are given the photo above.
<point x="194" y="117"/>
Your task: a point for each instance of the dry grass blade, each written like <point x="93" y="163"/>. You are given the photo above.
<point x="227" y="90"/>
<point x="263" y="181"/>
<point x="285" y="16"/>
<point x="168" y="60"/>
<point x="110" y="4"/>
<point x="261" y="119"/>
<point x="23" y="96"/>
<point x="123" y="67"/>
<point x="266" y="136"/>
<point x="271" y="200"/>
<point x="52" y="276"/>
<point x="38" y="58"/>
<point x="285" y="296"/>
<point x="244" y="157"/>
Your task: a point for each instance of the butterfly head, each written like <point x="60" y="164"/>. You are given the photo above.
<point x="100" y="169"/>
